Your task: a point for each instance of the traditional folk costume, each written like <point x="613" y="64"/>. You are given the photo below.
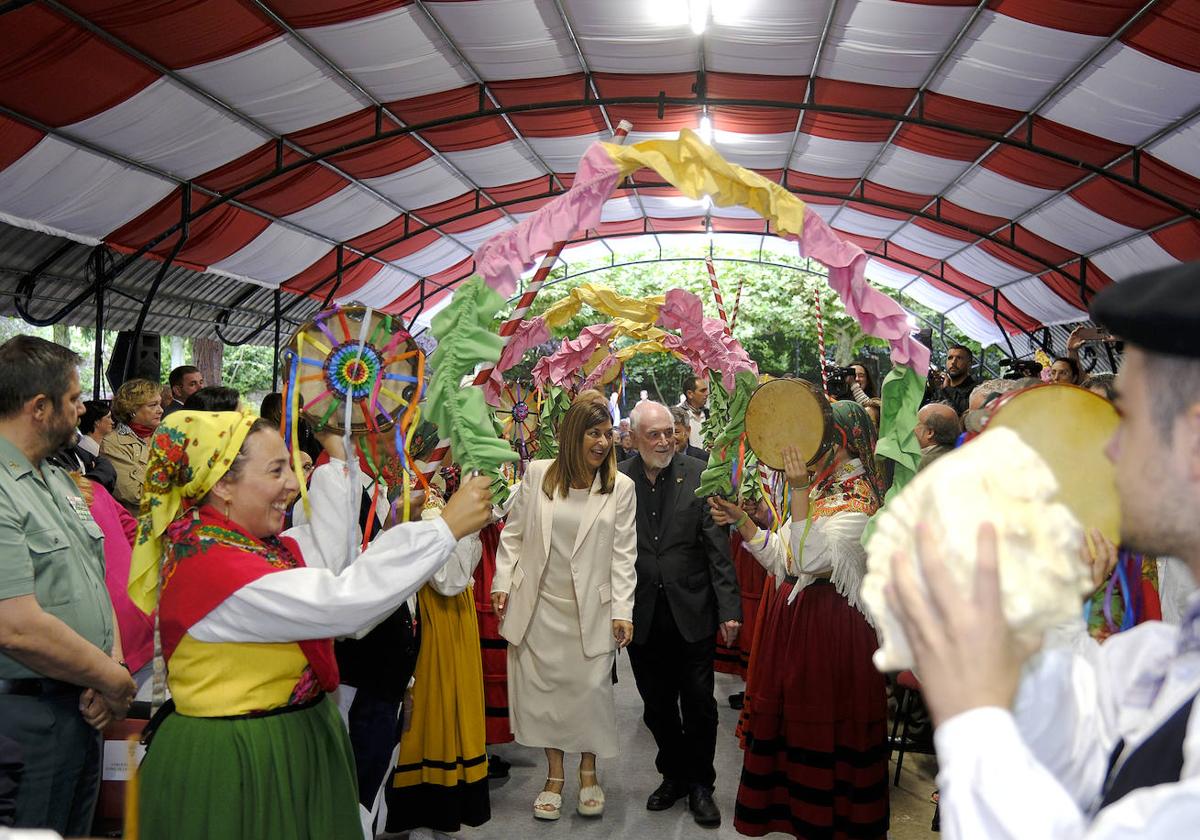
<point x="440" y="779"/>
<point x="493" y="646"/>
<point x="751" y="577"/>
<point x="815" y="717"/>
<point x="254" y="748"/>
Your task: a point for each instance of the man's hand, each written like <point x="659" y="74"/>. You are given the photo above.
<point x="622" y="632"/>
<point x="499" y="604"/>
<point x="470" y="508"/>
<point x="120" y="695"/>
<point x="95" y="711"/>
<point x="1099" y="555"/>
<point x="965" y="653"/>
<point x="729" y="632"/>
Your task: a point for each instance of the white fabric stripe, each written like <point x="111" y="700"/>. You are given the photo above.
<point x="60" y="187"/>
<point x="1180" y="149"/>
<point x="979" y="264"/>
<point x="782" y="34"/>
<point x="1036" y="299"/>
<point x="914" y="172"/>
<point x="509" y="39"/>
<point x="753" y="151"/>
<point x="394" y="55"/>
<point x="423" y="184"/>
<point x="993" y="194"/>
<point x="385" y="286"/>
<point x="167" y="127"/>
<point x="498" y="165"/>
<point x="891" y="277"/>
<point x="432" y="258"/>
<point x="1068" y="223"/>
<point x="562" y="154"/>
<point x="632" y="36"/>
<point x="863" y="223"/>
<point x="832" y="158"/>
<point x="344" y="215"/>
<point x="1142" y="254"/>
<point x="276" y="83"/>
<point x="918" y="239"/>
<point x="275" y="255"/>
<point x="884" y="43"/>
<point x="1011" y="63"/>
<point x="1126" y="96"/>
<point x="475" y="237"/>
<point x="976" y="325"/>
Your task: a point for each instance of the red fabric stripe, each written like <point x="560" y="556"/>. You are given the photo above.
<point x="180" y="35"/>
<point x="352" y="278"/>
<point x="1087" y="17"/>
<point x="15" y="140"/>
<point x="469" y="134"/>
<point x="940" y="143"/>
<point x="212" y="237"/>
<point x="58" y="73"/>
<point x="558" y="122"/>
<point x="289" y="193"/>
<point x="371" y="161"/>
<point x="1169" y="33"/>
<point x="306" y="13"/>
<point x="1122" y="204"/>
<point x="1181" y="241"/>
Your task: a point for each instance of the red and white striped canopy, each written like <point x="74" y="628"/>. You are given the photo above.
<point x="1000" y="160"/>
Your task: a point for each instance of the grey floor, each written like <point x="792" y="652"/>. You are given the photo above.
<point x="629" y="779"/>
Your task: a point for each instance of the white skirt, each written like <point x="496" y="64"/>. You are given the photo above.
<point x="557" y="697"/>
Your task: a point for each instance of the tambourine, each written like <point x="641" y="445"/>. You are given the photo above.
<point x="788" y="412"/>
<point x="1069" y="428"/>
<point x="343" y="357"/>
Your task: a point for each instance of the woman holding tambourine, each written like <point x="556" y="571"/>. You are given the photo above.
<point x="815" y="714"/>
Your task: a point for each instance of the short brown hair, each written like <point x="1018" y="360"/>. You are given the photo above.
<point x="30" y="366"/>
<point x="569" y="467"/>
<point x="132" y="395"/>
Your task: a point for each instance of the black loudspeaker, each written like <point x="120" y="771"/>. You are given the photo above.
<point x="146" y="360"/>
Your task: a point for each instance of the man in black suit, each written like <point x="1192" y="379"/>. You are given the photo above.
<point x="686" y="591"/>
<point x="683" y="434"/>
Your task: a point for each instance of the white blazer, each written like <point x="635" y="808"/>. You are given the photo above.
<point x="602" y="563"/>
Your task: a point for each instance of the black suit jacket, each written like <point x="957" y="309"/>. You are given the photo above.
<point x="688" y="562"/>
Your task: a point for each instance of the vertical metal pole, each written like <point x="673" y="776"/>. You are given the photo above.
<point x="275" y="364"/>
<point x="98" y="353"/>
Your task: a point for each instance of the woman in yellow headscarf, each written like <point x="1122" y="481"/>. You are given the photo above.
<point x="254" y="748"/>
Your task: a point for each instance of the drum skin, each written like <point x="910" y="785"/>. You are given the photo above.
<point x="787" y="412"/>
<point x="1069" y="427"/>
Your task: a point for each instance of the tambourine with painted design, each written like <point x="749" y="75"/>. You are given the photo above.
<point x="788" y="412"/>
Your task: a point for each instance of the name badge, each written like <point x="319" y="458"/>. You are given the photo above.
<point x="80" y="507"/>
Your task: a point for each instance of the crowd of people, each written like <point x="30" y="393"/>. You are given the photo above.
<point x="319" y="669"/>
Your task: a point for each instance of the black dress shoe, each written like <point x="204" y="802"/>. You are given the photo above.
<point x="497" y="767"/>
<point x="668" y="793"/>
<point x="737" y="701"/>
<point x="704" y="811"/>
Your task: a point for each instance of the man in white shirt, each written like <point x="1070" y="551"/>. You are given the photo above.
<point x="695" y="400"/>
<point x="1082" y="740"/>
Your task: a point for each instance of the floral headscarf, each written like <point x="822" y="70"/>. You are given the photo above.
<point x="856" y="432"/>
<point x="189" y="453"/>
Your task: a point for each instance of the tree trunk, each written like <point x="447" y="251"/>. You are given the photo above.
<point x="177" y="355"/>
<point x="208" y="355"/>
<point x="62" y="334"/>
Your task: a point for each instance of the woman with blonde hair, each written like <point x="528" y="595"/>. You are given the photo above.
<point x="563" y="590"/>
<point x="137" y="410"/>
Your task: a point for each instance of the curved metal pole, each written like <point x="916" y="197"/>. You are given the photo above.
<point x="186" y="205"/>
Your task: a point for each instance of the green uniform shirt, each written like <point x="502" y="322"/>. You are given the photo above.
<point x="50" y="547"/>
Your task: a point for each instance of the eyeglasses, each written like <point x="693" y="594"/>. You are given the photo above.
<point x="659" y="434"/>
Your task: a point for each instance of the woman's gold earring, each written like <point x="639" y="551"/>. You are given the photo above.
<point x="227" y="505"/>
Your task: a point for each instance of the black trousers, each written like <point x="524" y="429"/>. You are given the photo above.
<point x="675" y="679"/>
<point x="60" y="781"/>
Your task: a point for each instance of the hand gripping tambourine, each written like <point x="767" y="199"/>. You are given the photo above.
<point x="1069" y="428"/>
<point x="345" y="358"/>
<point x="788" y="412"/>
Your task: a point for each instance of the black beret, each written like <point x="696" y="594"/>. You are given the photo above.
<point x="1157" y="310"/>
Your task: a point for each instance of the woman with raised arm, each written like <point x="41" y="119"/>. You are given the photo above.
<point x="250" y="745"/>
<point x="815" y="717"/>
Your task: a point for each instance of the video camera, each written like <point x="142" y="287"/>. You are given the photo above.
<point x="1021" y="369"/>
<point x="839" y="379"/>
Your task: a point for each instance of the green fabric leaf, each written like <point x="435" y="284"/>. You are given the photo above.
<point x="902" y="392"/>
<point x="717" y="480"/>
<point x="555" y="402"/>
<point x="464" y="336"/>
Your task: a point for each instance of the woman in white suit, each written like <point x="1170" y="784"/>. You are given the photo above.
<point x="563" y="589"/>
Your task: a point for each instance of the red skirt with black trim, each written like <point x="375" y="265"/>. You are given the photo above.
<point x="750" y="577"/>
<point x="814" y="727"/>
<point x="492" y="645"/>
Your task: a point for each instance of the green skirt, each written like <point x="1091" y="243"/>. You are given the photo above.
<point x="282" y="777"/>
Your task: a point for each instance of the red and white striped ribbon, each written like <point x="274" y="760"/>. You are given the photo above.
<point x="737" y="303"/>
<point x="712" y="276"/>
<point x="821" y="342"/>
<point x="509" y="327"/>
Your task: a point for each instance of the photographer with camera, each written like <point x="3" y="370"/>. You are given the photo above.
<point x="954" y="385"/>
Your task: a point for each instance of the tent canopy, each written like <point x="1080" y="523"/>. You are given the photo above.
<point x="1001" y="160"/>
